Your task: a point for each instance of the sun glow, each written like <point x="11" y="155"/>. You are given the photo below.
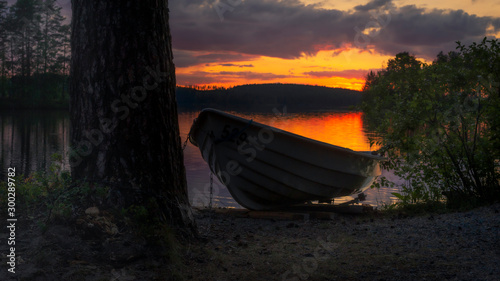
<point x="341" y="68"/>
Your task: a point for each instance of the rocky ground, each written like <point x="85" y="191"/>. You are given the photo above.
<point x="375" y="246"/>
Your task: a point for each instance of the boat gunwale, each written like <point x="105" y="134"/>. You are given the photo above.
<point x="365" y="154"/>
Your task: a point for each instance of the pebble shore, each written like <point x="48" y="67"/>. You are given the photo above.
<point x="376" y="246"/>
<point x="453" y="246"/>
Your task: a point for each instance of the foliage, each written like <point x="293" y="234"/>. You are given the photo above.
<point x="439" y="124"/>
<point x="53" y="192"/>
<point x="34" y="52"/>
<point x="417" y="209"/>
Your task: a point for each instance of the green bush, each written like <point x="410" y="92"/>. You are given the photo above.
<point x="52" y="192"/>
<point x="439" y="125"/>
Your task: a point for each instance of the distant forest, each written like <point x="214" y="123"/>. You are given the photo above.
<point x="265" y="97"/>
<point x="34" y="54"/>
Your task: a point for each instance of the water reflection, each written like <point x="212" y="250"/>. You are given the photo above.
<point x="29" y="138"/>
<point x="338" y="128"/>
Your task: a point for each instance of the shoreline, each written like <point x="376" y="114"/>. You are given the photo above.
<point x="372" y="246"/>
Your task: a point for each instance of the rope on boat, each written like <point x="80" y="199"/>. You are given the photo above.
<point x="211" y="176"/>
<point x="185" y="142"/>
<point x="211" y="190"/>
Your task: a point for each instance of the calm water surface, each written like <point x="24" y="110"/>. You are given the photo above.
<point x="29" y="138"/>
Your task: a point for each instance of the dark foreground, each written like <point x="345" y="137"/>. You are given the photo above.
<point x="377" y="246"/>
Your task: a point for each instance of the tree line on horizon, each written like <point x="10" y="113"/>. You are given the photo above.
<point x="34" y="53"/>
<point x="267" y="96"/>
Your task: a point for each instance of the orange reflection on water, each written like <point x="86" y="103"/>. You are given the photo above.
<point x="338" y="128"/>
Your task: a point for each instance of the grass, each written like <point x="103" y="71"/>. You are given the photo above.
<point x="416" y="209"/>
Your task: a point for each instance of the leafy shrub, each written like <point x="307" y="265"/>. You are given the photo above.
<point x="439" y="124"/>
<point x="53" y="192"/>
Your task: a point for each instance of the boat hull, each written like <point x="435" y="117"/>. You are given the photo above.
<point x="267" y="168"/>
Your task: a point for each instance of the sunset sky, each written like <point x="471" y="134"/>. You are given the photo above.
<point x="329" y="43"/>
<point x="317" y="42"/>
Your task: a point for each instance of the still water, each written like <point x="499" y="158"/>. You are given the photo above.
<point x="29" y="138"/>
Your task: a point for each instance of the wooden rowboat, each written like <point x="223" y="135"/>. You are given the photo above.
<point x="267" y="168"/>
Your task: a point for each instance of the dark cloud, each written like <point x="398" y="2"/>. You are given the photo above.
<point x="375" y="4"/>
<point x="427" y="33"/>
<point x="348" y="73"/>
<point x="184" y="58"/>
<point x="283" y="29"/>
<point x="289" y="29"/>
<point x="202" y="77"/>
<point x="238" y="65"/>
<point x="249" y="75"/>
<point x="196" y="78"/>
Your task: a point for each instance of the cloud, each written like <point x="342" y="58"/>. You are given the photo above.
<point x="196" y="78"/>
<point x="203" y="77"/>
<point x="375" y="4"/>
<point x="427" y="33"/>
<point x="183" y="58"/>
<point x="238" y="65"/>
<point x="289" y="29"/>
<point x="349" y="73"/>
<point x="249" y="75"/>
<point x="284" y="29"/>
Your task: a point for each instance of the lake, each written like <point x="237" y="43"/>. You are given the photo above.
<point x="29" y="138"/>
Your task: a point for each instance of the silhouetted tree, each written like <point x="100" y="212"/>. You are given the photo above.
<point x="34" y="48"/>
<point x="3" y="48"/>
<point x="55" y="38"/>
<point x="24" y="24"/>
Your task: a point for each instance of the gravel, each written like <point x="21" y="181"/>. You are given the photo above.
<point x="453" y="246"/>
<point x="375" y="246"/>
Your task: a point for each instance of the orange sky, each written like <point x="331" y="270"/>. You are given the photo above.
<point x="346" y="70"/>
<point x="343" y="65"/>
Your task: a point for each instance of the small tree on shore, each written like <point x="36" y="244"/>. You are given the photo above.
<point x="439" y="123"/>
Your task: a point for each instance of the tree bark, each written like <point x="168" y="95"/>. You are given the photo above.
<point x="125" y="130"/>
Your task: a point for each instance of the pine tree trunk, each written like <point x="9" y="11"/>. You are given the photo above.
<point x="123" y="109"/>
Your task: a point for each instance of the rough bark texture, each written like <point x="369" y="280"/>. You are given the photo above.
<point x="123" y="109"/>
